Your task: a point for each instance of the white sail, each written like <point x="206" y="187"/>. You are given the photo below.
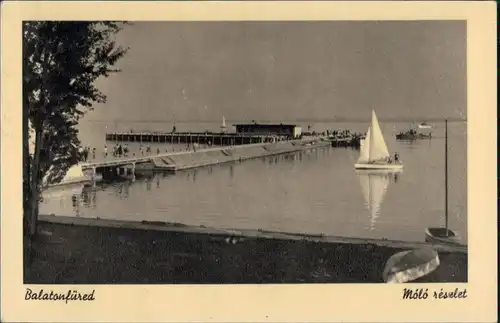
<point x="378" y="148"/>
<point x="223" y="122"/>
<point x="364" y="148"/>
<point x="374" y="187"/>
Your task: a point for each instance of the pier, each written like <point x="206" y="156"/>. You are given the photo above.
<point x="220" y="139"/>
<point x="181" y="160"/>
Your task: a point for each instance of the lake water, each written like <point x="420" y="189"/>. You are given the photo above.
<point x="315" y="191"/>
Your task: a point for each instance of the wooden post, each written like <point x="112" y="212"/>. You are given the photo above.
<point x="446" y="173"/>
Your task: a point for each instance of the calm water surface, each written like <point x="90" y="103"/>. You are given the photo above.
<point x="314" y="191"/>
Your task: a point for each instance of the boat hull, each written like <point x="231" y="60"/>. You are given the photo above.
<point x="404" y="136"/>
<point x="362" y="171"/>
<point x="439" y="236"/>
<point x="410" y="265"/>
<point x="379" y="166"/>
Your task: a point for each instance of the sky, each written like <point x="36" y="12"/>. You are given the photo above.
<point x="272" y="71"/>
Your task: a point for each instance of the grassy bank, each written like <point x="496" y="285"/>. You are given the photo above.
<point x="98" y="255"/>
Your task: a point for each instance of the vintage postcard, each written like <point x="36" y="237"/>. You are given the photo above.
<point x="248" y="161"/>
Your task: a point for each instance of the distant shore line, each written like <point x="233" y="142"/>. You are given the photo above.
<point x="382" y="120"/>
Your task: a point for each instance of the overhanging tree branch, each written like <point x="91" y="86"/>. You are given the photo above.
<point x="61" y="62"/>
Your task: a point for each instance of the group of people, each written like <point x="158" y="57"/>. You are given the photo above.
<point x="342" y="134"/>
<point x="118" y="150"/>
<point x="396" y="158"/>
<point x="84" y="153"/>
<point x="122" y="150"/>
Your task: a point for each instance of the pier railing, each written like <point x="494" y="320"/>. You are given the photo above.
<point x="215" y="138"/>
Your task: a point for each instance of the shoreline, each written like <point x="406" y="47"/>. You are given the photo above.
<point x="242" y="233"/>
<point x="89" y="254"/>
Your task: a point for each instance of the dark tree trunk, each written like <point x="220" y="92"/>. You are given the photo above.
<point x="26" y="173"/>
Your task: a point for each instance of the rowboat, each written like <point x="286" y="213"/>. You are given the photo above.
<point x="410" y="265"/>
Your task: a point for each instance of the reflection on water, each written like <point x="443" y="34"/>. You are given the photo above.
<point x="374" y="185"/>
<point x="316" y="191"/>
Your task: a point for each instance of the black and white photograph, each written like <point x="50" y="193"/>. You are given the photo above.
<point x="244" y="152"/>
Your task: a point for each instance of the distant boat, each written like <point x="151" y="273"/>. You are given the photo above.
<point x="443" y="235"/>
<point x="424" y="125"/>
<point x="412" y="135"/>
<point x="374" y="184"/>
<point x="374" y="153"/>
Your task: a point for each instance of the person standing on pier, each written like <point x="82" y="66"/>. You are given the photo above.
<point x="81" y="153"/>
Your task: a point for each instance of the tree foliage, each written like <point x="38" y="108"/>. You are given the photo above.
<point x="61" y="63"/>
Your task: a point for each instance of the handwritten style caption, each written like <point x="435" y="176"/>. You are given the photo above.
<point x="423" y="293"/>
<point x="70" y="295"/>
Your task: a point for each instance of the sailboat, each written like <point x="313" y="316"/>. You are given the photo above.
<point x="374" y="184"/>
<point x="374" y="153"/>
<point x="443" y="235"/>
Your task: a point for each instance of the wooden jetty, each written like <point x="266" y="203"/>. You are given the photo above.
<point x="215" y="138"/>
<point x="175" y="161"/>
<point x="349" y="142"/>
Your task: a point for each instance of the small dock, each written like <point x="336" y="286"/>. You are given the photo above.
<point x="350" y="142"/>
<point x="203" y="138"/>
